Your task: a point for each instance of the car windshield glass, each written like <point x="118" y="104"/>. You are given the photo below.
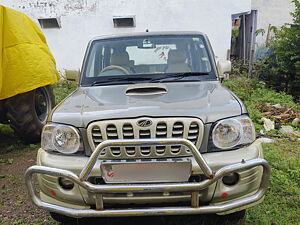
<point x="149" y="57"/>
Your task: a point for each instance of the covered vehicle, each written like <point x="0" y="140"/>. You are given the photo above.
<point x="27" y="69"/>
<point x="149" y="131"/>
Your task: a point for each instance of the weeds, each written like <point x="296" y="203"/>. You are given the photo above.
<point x="8" y="161"/>
<point x="254" y="93"/>
<point x="281" y="205"/>
<point x="62" y="89"/>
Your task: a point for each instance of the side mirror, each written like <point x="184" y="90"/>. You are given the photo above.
<point x="72" y="75"/>
<point x="223" y="66"/>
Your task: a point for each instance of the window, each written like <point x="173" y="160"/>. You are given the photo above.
<point x="124" y="21"/>
<point x="147" y="55"/>
<point x="47" y="23"/>
<point x="158" y="55"/>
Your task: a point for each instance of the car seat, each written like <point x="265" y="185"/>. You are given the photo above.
<point x="177" y="62"/>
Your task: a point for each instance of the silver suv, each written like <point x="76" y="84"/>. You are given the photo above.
<point x="149" y="126"/>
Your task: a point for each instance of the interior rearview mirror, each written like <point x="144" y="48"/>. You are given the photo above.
<point x="72" y="75"/>
<point x="224" y="66"/>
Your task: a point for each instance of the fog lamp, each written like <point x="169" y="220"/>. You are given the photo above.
<point x="65" y="183"/>
<point x="231" y="179"/>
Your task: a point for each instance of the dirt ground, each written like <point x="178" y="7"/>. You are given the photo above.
<point x="17" y="209"/>
<point x="15" y="206"/>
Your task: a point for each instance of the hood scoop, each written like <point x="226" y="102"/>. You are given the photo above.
<point x="146" y="89"/>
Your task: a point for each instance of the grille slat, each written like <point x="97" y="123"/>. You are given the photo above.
<point x="178" y="126"/>
<point x="189" y="128"/>
<point x="162" y="126"/>
<point x="178" y="132"/>
<point x="159" y="133"/>
<point x="193" y="137"/>
<point x="193" y="133"/>
<point x="96" y="140"/>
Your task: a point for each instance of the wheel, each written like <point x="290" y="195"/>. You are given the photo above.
<point x="2" y="114"/>
<point x="62" y="218"/>
<point x="27" y="112"/>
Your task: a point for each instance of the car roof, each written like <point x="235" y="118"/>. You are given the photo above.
<point x="147" y="34"/>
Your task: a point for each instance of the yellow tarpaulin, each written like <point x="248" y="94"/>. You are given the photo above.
<point x="26" y="62"/>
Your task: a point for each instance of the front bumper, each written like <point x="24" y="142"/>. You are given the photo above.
<point x="194" y="188"/>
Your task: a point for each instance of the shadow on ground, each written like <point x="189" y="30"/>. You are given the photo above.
<point x="162" y="220"/>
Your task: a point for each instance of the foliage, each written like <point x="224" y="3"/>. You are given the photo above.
<point x="8" y="160"/>
<point x="260" y="31"/>
<point x="235" y="33"/>
<point x="241" y="69"/>
<point x="286" y="47"/>
<point x="271" y="30"/>
<point x="282" y="69"/>
<point x="62" y="89"/>
<point x="254" y="93"/>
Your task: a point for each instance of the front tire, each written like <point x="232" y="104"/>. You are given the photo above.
<point x="27" y="112"/>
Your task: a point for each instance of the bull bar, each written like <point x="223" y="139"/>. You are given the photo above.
<point x="193" y="187"/>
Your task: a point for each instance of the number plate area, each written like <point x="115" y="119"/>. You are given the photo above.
<point x="146" y="171"/>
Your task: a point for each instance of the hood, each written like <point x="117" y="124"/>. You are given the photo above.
<point x="206" y="100"/>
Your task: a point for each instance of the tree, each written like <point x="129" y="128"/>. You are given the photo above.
<point x="286" y="50"/>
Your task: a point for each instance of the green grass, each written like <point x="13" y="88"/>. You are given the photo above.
<point x="282" y="203"/>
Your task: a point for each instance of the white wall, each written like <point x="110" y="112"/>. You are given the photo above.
<point x="82" y="20"/>
<point x="274" y="12"/>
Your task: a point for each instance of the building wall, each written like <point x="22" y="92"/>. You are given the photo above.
<point x="82" y="20"/>
<point x="274" y="12"/>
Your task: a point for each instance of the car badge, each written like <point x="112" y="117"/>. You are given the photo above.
<point x="144" y="123"/>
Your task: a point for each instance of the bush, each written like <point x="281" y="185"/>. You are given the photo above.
<point x="282" y="69"/>
<point x="62" y="89"/>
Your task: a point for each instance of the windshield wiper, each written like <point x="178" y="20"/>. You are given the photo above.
<point x="180" y="76"/>
<point x="120" y="80"/>
<point x="134" y="79"/>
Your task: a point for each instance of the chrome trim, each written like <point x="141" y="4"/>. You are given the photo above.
<point x="127" y="129"/>
<point x="170" y="187"/>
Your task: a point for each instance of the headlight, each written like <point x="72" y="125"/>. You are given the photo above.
<point x="233" y="132"/>
<point x="61" y="138"/>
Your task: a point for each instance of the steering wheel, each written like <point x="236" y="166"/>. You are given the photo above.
<point x="114" y="67"/>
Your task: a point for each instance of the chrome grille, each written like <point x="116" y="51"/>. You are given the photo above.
<point x="189" y="128"/>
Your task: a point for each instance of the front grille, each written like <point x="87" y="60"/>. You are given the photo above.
<point x="188" y="128"/>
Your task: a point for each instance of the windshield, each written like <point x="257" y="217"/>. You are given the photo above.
<point x="154" y="57"/>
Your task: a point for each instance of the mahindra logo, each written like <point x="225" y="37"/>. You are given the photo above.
<point x="144" y="123"/>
